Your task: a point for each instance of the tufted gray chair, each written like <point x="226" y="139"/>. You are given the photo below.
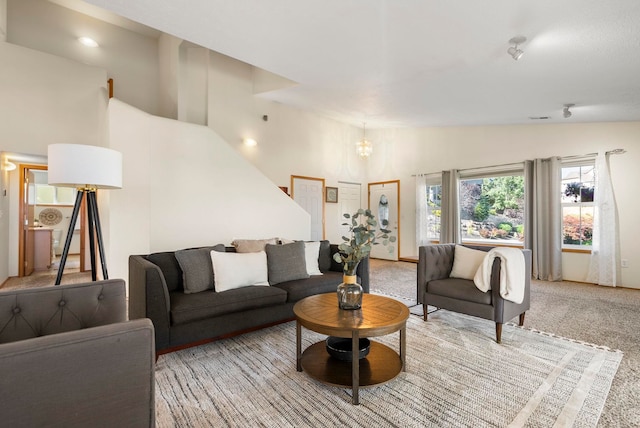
<point x="69" y="357"/>
<point x="436" y="288"/>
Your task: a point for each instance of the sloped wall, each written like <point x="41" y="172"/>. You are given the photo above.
<point x="47" y="99"/>
<point x="184" y="186"/>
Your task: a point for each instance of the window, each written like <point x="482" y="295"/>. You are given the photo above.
<point x="492" y="208"/>
<point x="577" y="194"/>
<point x="41" y="193"/>
<point x="434" y="211"/>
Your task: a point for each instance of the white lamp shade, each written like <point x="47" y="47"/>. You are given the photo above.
<point x="77" y="165"/>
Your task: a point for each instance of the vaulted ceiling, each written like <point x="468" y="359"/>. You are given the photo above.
<point x="414" y="63"/>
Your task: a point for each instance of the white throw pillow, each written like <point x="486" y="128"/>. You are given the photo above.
<point x="311" y="253"/>
<point x="466" y="262"/>
<point x="235" y="270"/>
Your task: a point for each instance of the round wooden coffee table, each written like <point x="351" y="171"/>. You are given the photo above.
<point x="378" y="316"/>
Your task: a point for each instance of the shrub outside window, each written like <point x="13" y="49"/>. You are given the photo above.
<point x="492" y="209"/>
<point x="577" y="194"/>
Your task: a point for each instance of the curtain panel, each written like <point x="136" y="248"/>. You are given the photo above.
<point x="422" y="211"/>
<point x="605" y="252"/>
<point x="543" y="218"/>
<point x="450" y="214"/>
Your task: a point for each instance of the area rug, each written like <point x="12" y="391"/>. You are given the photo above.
<point x="457" y="375"/>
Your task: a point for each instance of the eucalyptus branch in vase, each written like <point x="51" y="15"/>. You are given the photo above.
<point x="362" y="237"/>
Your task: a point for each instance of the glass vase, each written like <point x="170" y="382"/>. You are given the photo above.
<point x="349" y="293"/>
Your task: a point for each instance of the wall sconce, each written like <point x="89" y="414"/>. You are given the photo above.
<point x="250" y="142"/>
<point x="364" y="147"/>
<point x="9" y="166"/>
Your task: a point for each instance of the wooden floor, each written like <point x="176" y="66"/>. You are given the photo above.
<point x="43" y="278"/>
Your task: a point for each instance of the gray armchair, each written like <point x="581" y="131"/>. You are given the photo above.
<point x="70" y="358"/>
<point x="436" y="288"/>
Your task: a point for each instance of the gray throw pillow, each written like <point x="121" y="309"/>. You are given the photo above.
<point x="324" y="258"/>
<point x="286" y="262"/>
<point x="197" y="270"/>
<point x="170" y="268"/>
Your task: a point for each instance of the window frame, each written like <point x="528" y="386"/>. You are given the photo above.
<point x="588" y="162"/>
<point x="480" y="174"/>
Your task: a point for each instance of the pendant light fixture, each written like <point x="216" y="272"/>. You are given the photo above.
<point x="363" y="146"/>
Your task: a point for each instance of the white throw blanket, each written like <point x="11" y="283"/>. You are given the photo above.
<point x="512" y="273"/>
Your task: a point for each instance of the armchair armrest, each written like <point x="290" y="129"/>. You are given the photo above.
<point x="99" y="376"/>
<point x="149" y="297"/>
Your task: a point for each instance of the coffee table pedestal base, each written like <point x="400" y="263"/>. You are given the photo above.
<point x="381" y="365"/>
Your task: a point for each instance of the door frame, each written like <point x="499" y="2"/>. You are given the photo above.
<point x="22" y="208"/>
<point x="377" y="183"/>
<point x="324" y="191"/>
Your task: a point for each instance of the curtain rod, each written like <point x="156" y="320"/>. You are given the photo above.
<point x="506" y="165"/>
<point x="609" y="152"/>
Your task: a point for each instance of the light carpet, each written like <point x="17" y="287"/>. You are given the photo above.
<point x="456" y="376"/>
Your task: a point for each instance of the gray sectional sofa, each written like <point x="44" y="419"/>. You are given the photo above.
<point x="159" y="290"/>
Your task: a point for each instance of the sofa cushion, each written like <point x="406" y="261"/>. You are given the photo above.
<point x="459" y="289"/>
<point x="311" y="257"/>
<point x="324" y="256"/>
<point x="466" y="262"/>
<point x="301" y="288"/>
<point x="252" y="245"/>
<point x="170" y="268"/>
<point x="186" y="308"/>
<point x="286" y="262"/>
<point x="197" y="271"/>
<point x="235" y="270"/>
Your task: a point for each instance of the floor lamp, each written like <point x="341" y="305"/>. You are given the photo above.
<point x="87" y="168"/>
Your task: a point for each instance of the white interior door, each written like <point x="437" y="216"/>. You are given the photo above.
<point x="349" y="200"/>
<point x="384" y="203"/>
<point x="308" y="193"/>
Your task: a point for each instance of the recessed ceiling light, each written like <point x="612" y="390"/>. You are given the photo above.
<point x="250" y="142"/>
<point x="88" y="41"/>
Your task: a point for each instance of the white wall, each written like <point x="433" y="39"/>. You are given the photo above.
<point x="183" y="186"/>
<point x="291" y="142"/>
<point x="3" y="20"/>
<point x="130" y="58"/>
<point x="47" y="99"/>
<point x="192" y="84"/>
<point x="168" y="62"/>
